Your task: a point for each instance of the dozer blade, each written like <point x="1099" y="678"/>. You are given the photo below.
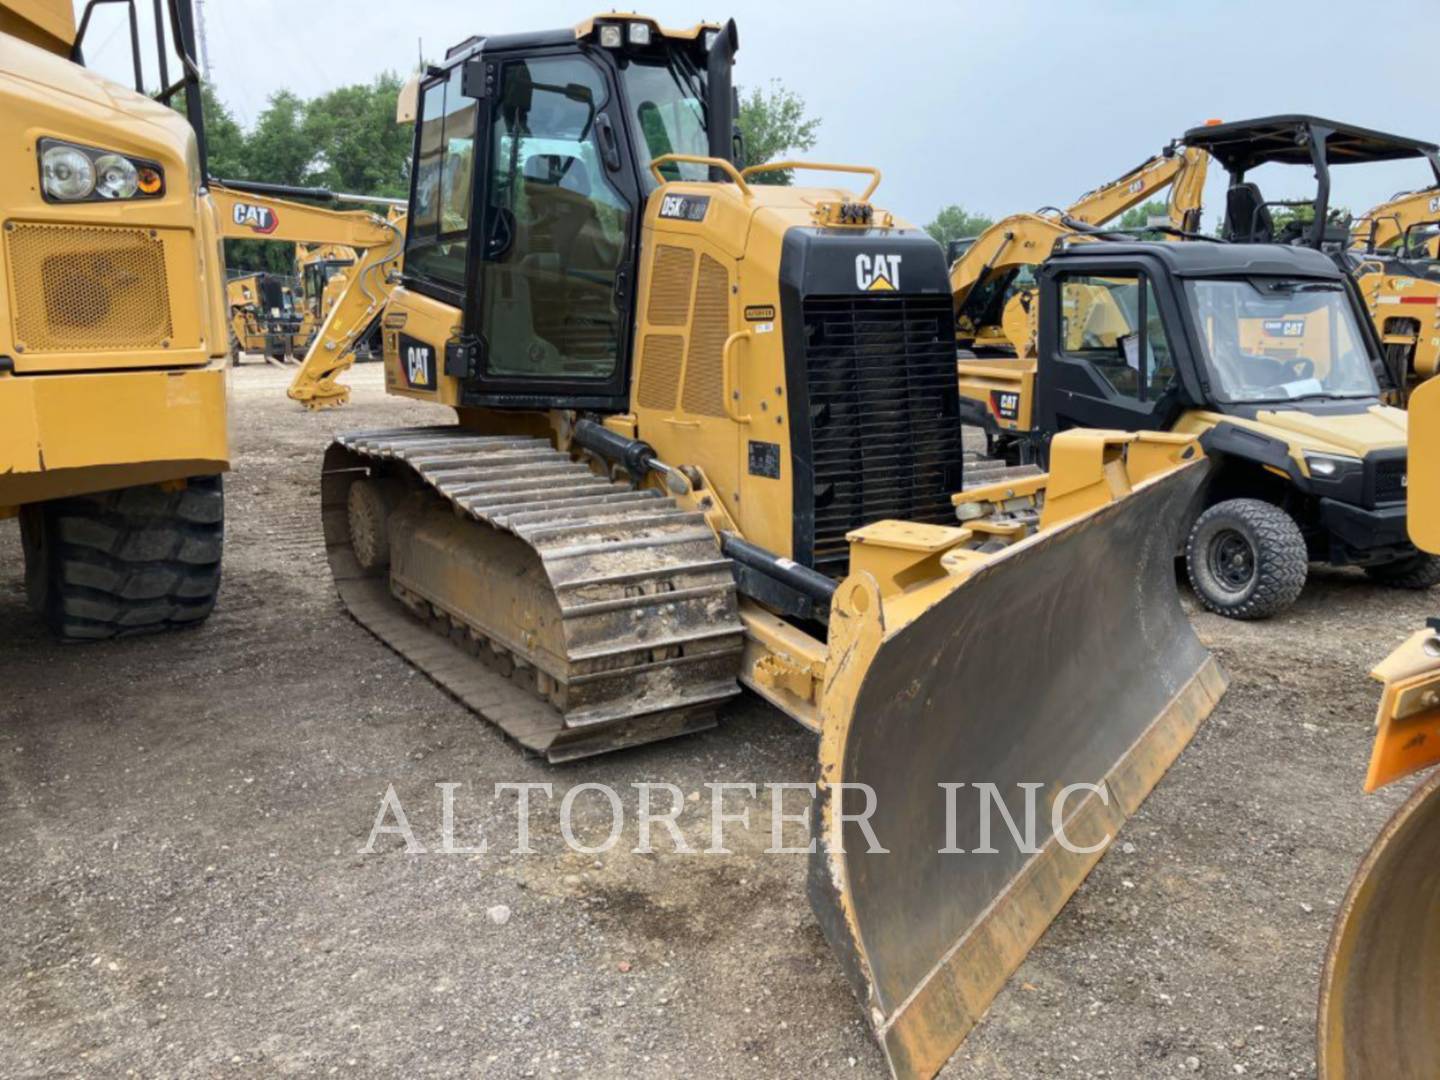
<point x="1064" y="660"/>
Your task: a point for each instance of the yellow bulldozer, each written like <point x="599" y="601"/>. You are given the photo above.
<point x="113" y="338"/>
<point x="705" y="435"/>
<point x="1380" y="989"/>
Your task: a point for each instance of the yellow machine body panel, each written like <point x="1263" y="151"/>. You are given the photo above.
<point x="709" y="377"/>
<point x="90" y="432"/>
<point x="1381" y="979"/>
<point x="112" y="312"/>
<point x="1380" y="427"/>
<point x="1004" y="385"/>
<point x="48" y="24"/>
<point x="127" y="283"/>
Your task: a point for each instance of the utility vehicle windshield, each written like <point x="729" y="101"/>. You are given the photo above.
<point x="665" y="98"/>
<point x="1279" y="339"/>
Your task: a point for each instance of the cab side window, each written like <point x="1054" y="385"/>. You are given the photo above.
<point x="438" y="231"/>
<point x="1113" y="324"/>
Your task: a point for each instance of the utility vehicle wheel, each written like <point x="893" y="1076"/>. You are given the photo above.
<point x="1419" y="571"/>
<point x="132" y="561"/>
<point x="1246" y="559"/>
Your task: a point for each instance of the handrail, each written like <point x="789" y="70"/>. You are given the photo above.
<point x="695" y="159"/>
<point x="777" y="166"/>
<point x="729" y="380"/>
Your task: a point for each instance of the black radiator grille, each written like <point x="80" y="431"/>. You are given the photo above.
<point x="1390" y="480"/>
<point x="884" y="416"/>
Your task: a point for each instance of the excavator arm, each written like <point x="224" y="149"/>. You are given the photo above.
<point x="983" y="318"/>
<point x="1182" y="169"/>
<point x="250" y="215"/>
<point x="332" y="349"/>
<point x="376" y="242"/>
<point x="1384" y="226"/>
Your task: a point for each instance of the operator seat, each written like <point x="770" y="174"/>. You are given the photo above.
<point x="1247" y="218"/>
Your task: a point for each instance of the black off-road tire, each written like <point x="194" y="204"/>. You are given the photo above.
<point x="1418" y="571"/>
<point x="134" y="561"/>
<point x="1241" y="529"/>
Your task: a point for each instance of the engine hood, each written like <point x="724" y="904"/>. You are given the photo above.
<point x="1379" y="427"/>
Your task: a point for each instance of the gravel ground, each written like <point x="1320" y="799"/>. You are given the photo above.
<point x="183" y="892"/>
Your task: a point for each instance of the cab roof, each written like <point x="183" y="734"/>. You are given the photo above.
<point x="1243" y="144"/>
<point x="690" y="35"/>
<point x="1203" y="258"/>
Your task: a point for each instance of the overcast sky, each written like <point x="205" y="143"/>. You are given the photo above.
<point x="1001" y="106"/>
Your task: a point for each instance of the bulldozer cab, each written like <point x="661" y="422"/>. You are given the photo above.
<point x="1134" y="335"/>
<point x="528" y="196"/>
<point x="1245" y="145"/>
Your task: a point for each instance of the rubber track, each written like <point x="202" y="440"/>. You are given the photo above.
<point x="647" y="600"/>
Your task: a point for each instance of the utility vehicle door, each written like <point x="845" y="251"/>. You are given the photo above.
<point x="1109" y="337"/>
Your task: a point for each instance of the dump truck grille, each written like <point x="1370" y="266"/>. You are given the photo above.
<point x="885" y="435"/>
<point x="87" y="288"/>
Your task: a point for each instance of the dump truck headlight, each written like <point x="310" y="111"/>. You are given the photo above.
<point x="1330" y="466"/>
<point x="610" y="36"/>
<point x="67" y="172"/>
<point x="639" y="33"/>
<point x="71" y="173"/>
<point x="116" y="177"/>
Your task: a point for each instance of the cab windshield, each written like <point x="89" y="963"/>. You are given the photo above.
<point x="665" y="97"/>
<point x="1279" y="339"/>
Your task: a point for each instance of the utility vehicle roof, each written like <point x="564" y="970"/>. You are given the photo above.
<point x="1243" y="144"/>
<point x="1200" y="258"/>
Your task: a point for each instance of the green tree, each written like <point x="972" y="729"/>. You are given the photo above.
<point x="358" y="145"/>
<point x="956" y="223"/>
<point x="1137" y="217"/>
<point x="1303" y="216"/>
<point x="224" y="137"/>
<point x="772" y="119"/>
<point x="278" y="150"/>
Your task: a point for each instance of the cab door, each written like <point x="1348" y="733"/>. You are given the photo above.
<point x="557" y="210"/>
<point x="1108" y="340"/>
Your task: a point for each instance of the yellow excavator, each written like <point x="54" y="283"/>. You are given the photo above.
<point x="113" y="338"/>
<point x="263" y="319"/>
<point x="1380" y="989"/>
<point x="992" y="276"/>
<point x="704" y="435"/>
<point x="1393" y="247"/>
<point x="367" y="245"/>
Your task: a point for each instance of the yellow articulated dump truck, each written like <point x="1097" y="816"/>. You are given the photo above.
<point x="1380" y="990"/>
<point x="704" y="435"/>
<point x="113" y="335"/>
